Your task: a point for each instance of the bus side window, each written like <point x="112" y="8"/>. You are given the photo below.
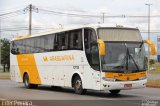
<point x="91" y="48"/>
<point x="75" y="40"/>
<point x="19" y="48"/>
<point x="13" y="47"/>
<point x="46" y="41"/>
<point x="71" y="45"/>
<point x="55" y="43"/>
<point x="66" y="41"/>
<point x="23" y="47"/>
<point x="32" y="45"/>
<point x="79" y="40"/>
<point x="28" y="45"/>
<point x="63" y="37"/>
<point x="51" y="40"/>
<point x="60" y="41"/>
<point x="42" y="44"/>
<point x="37" y="44"/>
<point x="53" y="36"/>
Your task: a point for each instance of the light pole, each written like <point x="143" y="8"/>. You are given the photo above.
<point x="148" y="34"/>
<point x="30" y="19"/>
<point x="103" y="17"/>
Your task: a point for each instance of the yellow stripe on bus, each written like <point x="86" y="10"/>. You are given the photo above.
<point x="126" y="76"/>
<point x="22" y="37"/>
<point x="27" y="63"/>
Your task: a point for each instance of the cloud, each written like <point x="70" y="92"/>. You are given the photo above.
<point x="109" y="7"/>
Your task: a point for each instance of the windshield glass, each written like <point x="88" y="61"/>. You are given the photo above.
<point x="123" y="57"/>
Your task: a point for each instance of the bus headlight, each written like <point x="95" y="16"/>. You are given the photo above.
<point x="109" y="79"/>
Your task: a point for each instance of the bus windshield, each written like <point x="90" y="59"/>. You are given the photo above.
<point x="123" y="56"/>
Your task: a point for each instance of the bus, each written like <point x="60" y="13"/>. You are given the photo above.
<point x="89" y="57"/>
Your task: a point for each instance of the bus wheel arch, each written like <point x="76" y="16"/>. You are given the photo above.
<point x="77" y="84"/>
<point x="24" y="75"/>
<point x="26" y="82"/>
<point x="73" y="77"/>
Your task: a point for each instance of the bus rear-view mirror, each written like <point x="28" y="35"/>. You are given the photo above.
<point x="152" y="46"/>
<point x="101" y="47"/>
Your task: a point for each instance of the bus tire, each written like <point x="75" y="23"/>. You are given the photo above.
<point x="114" y="92"/>
<point x="27" y="83"/>
<point x="78" y="88"/>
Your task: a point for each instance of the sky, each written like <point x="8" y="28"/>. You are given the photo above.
<point x="46" y="20"/>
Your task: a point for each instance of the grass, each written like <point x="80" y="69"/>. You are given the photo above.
<point x="153" y="83"/>
<point x="4" y="77"/>
<point x="157" y="69"/>
<point x="1" y="71"/>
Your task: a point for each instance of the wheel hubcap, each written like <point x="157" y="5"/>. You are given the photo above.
<point x="78" y="84"/>
<point x="26" y="82"/>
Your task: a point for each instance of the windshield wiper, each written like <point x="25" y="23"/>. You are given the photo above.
<point x="134" y="61"/>
<point x="128" y="56"/>
<point x="141" y="44"/>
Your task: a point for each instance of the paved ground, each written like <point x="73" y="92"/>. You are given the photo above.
<point x="15" y="91"/>
<point x="4" y="74"/>
<point x="154" y="77"/>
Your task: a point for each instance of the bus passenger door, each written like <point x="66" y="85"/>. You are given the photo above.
<point x="92" y="70"/>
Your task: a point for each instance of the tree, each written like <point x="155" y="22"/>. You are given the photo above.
<point x="5" y="53"/>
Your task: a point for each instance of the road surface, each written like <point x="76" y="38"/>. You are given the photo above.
<point x="43" y="95"/>
<point x="154" y="76"/>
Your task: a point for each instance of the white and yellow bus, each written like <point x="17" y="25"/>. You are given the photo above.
<point x="94" y="57"/>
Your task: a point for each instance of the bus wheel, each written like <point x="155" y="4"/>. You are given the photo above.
<point x="114" y="92"/>
<point x="27" y="84"/>
<point x="78" y="86"/>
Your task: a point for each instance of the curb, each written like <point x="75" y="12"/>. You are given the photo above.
<point x="152" y="86"/>
<point x="4" y="77"/>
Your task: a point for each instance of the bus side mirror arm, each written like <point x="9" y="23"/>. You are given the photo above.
<point x="101" y="47"/>
<point x="152" y="46"/>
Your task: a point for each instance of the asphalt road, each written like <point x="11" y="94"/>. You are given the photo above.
<point x="154" y="76"/>
<point x="47" y="96"/>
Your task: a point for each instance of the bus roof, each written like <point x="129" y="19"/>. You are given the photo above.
<point x="73" y="27"/>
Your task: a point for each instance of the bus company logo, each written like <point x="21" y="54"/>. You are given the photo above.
<point x="58" y="58"/>
<point x="24" y="59"/>
<point x="150" y="103"/>
<point x="45" y="58"/>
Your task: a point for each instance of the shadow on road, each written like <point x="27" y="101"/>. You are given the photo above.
<point x="93" y="93"/>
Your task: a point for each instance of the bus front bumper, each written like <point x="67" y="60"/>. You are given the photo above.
<point x="123" y="85"/>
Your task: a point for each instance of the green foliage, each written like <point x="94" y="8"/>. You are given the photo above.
<point x="156" y="66"/>
<point x="151" y="61"/>
<point x="153" y="83"/>
<point x="5" y="53"/>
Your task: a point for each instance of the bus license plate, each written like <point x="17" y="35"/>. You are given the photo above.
<point x="127" y="85"/>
